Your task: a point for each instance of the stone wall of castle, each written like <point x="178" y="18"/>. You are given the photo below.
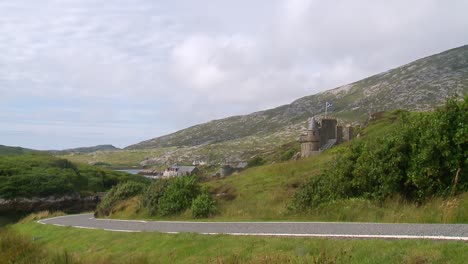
<point x="348" y="133"/>
<point x="327" y="130"/>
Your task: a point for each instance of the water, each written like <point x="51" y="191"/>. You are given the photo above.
<point x="135" y="171"/>
<point x="8" y="219"/>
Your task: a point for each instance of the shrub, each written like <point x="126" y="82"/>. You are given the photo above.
<point x="152" y="195"/>
<point x="257" y="161"/>
<point x="178" y="195"/>
<point x="118" y="193"/>
<point x="203" y="206"/>
<point x="287" y="155"/>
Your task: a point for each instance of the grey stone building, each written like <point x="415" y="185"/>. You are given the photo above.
<point x="325" y="135"/>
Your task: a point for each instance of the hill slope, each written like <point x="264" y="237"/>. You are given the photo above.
<point x="7" y="150"/>
<point x="83" y="149"/>
<point x="419" y="85"/>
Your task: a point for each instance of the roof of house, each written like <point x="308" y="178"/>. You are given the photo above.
<point x="184" y="169"/>
<point x="241" y="165"/>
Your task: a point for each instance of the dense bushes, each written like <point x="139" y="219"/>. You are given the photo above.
<point x="152" y="195"/>
<point x="164" y="197"/>
<point x="256" y="161"/>
<point x="40" y="175"/>
<point x="203" y="206"/>
<point x="178" y="195"/>
<point x="424" y="155"/>
<point x="118" y="193"/>
<point x="172" y="196"/>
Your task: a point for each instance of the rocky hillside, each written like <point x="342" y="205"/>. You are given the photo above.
<point x="419" y="85"/>
<point x="83" y="150"/>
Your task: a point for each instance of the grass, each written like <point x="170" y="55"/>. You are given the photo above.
<point x="252" y="189"/>
<point x="32" y="241"/>
<point x="117" y="158"/>
<point x="264" y="193"/>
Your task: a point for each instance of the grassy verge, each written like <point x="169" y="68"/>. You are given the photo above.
<point x="50" y="244"/>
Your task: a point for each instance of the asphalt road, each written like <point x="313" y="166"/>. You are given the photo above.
<point x="301" y="229"/>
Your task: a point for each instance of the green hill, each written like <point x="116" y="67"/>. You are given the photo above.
<point x="42" y="175"/>
<point x="6" y="150"/>
<point x="83" y="150"/>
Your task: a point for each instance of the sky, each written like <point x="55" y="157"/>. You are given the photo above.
<point x="79" y="73"/>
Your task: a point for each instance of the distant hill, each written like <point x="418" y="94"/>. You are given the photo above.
<point x="83" y="150"/>
<point x="419" y="85"/>
<point x="6" y="150"/>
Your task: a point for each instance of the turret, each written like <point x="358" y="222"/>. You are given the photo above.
<point x="310" y="142"/>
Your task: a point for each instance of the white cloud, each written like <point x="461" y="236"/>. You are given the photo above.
<point x="179" y="57"/>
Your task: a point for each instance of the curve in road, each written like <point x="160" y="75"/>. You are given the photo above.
<point x="299" y="229"/>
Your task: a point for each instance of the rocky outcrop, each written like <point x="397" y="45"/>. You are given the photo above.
<point x="72" y="203"/>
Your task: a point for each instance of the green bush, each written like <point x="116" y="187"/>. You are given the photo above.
<point x="287" y="155"/>
<point x="423" y="156"/>
<point x="119" y="193"/>
<point x="203" y="206"/>
<point x="152" y="195"/>
<point x="257" y="161"/>
<point x="178" y="195"/>
<point x="170" y="196"/>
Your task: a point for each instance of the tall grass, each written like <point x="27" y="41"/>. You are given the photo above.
<point x="40" y="215"/>
<point x="393" y="210"/>
<point x="72" y="245"/>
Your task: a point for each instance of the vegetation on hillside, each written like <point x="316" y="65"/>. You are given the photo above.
<point x="269" y="192"/>
<point x="41" y="175"/>
<point x="163" y="197"/>
<point x="424" y="155"/>
<point x="83" y="150"/>
<point x="6" y="150"/>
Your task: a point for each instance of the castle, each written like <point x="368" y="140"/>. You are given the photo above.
<point x="320" y="137"/>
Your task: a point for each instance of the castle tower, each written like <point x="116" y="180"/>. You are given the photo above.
<point x="348" y="133"/>
<point x="339" y="134"/>
<point x="328" y="130"/>
<point x="310" y="142"/>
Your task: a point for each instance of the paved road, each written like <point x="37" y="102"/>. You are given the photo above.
<point x="304" y="229"/>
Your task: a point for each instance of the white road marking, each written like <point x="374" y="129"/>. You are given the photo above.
<point x="126" y="231"/>
<point x="345" y="236"/>
<point x="118" y="220"/>
<point x="456" y="238"/>
<point x="86" y="227"/>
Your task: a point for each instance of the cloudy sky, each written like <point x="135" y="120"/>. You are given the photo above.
<point x="85" y="72"/>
